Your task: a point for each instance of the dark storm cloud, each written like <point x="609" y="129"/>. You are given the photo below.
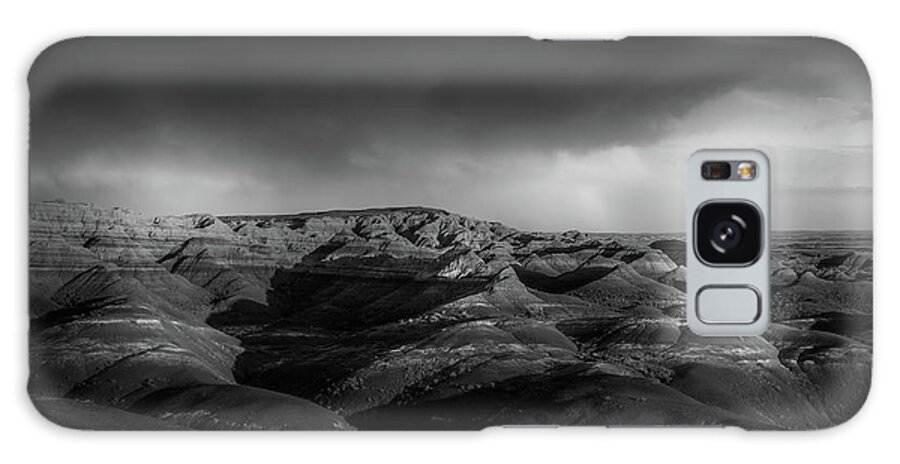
<point x="485" y="95"/>
<point x="288" y="124"/>
<point x="324" y="125"/>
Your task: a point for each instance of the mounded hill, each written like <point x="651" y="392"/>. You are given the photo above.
<point x="417" y="317"/>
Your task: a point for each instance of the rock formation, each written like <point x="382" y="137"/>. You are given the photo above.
<point x="420" y="318"/>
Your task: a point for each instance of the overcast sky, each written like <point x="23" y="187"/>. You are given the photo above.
<point x="538" y="135"/>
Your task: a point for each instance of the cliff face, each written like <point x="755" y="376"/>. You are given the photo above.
<point x="419" y="318"/>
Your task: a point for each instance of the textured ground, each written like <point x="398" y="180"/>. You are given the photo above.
<point x="418" y="318"/>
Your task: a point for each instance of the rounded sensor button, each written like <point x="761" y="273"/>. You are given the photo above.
<point x="728" y="304"/>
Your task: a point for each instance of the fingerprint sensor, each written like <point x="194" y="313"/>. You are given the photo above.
<point x="724" y="304"/>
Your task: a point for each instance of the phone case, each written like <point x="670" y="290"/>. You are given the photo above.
<point x="435" y="233"/>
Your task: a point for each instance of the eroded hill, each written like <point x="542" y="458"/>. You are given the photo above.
<point x="417" y="318"/>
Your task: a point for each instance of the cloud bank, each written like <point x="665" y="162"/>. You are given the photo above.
<point x="543" y="135"/>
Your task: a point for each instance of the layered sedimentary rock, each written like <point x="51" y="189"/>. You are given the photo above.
<point x="420" y="318"/>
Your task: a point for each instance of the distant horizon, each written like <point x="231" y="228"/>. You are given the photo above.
<point x="407" y="207"/>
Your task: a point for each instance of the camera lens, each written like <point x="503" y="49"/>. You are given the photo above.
<point x="716" y="170"/>
<point x="728" y="233"/>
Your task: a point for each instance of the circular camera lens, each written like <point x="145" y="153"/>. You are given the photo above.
<point x="726" y="235"/>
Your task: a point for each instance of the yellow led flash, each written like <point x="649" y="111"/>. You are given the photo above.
<point x="746" y="170"/>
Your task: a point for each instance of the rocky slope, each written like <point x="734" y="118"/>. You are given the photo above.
<point x="420" y="318"/>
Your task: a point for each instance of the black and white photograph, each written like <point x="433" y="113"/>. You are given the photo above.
<point x="425" y="233"/>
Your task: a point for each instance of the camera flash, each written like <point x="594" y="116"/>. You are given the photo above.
<point x="746" y="170"/>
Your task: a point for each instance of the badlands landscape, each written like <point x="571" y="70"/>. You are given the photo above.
<point x="418" y="318"/>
